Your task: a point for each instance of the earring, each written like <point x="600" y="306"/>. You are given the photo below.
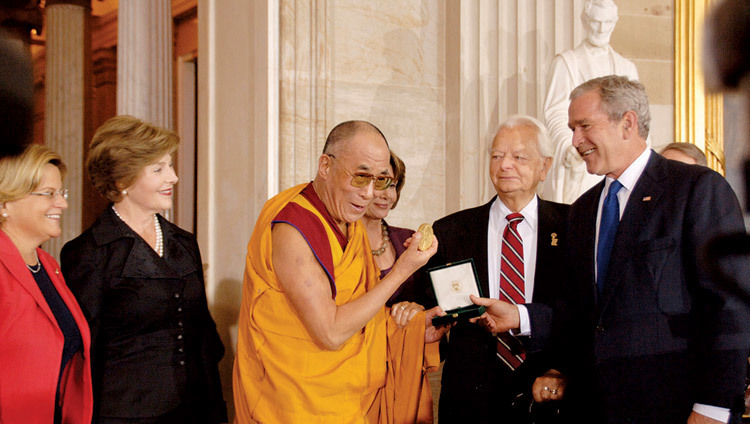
<point x="5" y="214"/>
<point x="124" y="192"/>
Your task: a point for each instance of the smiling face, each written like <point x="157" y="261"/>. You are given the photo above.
<point x="36" y="219"/>
<point x="152" y="191"/>
<point x="516" y="166"/>
<point x="366" y="153"/>
<point x="383" y="201"/>
<point x="599" y="24"/>
<point x="599" y="141"/>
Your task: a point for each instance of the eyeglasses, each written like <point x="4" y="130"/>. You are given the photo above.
<point x="63" y="192"/>
<point x="359" y="180"/>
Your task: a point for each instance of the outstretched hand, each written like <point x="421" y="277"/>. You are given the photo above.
<point x="499" y="317"/>
<point x="432" y="333"/>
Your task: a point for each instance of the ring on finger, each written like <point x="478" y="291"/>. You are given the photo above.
<point x="545" y="388"/>
<point x="402" y="307"/>
<point x="553" y="391"/>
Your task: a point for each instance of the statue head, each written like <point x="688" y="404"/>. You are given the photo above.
<point x="599" y="18"/>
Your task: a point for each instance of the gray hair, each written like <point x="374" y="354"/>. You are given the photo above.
<point x="543" y="140"/>
<point x="619" y="95"/>
<point x="691" y="150"/>
<point x="604" y="4"/>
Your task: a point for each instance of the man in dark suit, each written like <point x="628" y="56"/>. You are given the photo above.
<point x="477" y="384"/>
<point x="661" y="342"/>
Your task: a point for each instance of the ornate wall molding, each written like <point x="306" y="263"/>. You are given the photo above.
<point x="699" y="116"/>
<point x="303" y="89"/>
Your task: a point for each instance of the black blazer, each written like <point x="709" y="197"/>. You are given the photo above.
<point x="154" y="344"/>
<point x="663" y="335"/>
<point x="473" y="376"/>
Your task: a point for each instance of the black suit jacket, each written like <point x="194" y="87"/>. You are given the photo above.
<point x="663" y="335"/>
<point x="154" y="345"/>
<point x="475" y="385"/>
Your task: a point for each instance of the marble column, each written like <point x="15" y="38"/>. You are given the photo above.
<point x="144" y="60"/>
<point x="238" y="114"/>
<point x="65" y="98"/>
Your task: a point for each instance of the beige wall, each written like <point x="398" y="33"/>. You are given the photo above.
<point x="438" y="77"/>
<point x="645" y="35"/>
<point x="377" y="61"/>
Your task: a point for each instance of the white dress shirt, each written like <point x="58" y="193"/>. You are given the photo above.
<point x="628" y="179"/>
<point x="527" y="229"/>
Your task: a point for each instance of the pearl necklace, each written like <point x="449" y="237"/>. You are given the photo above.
<point x="36" y="267"/>
<point x="159" y="248"/>
<point x="385" y="241"/>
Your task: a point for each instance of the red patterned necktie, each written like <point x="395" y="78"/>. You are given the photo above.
<point x="509" y="349"/>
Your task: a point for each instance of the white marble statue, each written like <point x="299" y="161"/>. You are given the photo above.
<point x="592" y="58"/>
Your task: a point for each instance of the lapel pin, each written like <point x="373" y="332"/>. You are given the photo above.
<point x="647" y="198"/>
<point x="57" y="271"/>
<point x="553" y="242"/>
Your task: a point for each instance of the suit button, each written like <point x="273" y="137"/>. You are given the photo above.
<point x="599" y="329"/>
<point x="182" y="363"/>
<point x="179" y="337"/>
<point x="181" y="350"/>
<point x="176" y="295"/>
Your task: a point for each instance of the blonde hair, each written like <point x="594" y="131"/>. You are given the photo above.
<point x="121" y="148"/>
<point x="20" y="175"/>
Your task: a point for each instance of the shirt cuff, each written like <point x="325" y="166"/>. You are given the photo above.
<point x="715" y="412"/>
<point x="525" y="328"/>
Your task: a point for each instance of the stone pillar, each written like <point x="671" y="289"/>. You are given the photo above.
<point x="65" y="99"/>
<point x="144" y="61"/>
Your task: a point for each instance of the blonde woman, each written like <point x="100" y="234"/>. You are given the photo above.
<point x="45" y="372"/>
<point x="139" y="280"/>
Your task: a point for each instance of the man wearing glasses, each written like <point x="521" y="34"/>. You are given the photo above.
<point x="314" y="335"/>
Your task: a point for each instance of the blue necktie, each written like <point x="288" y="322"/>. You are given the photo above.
<point x="607" y="231"/>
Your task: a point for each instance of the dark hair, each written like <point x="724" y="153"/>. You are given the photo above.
<point x="399" y="175"/>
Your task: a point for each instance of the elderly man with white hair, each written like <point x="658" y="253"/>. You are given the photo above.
<point x="489" y="376"/>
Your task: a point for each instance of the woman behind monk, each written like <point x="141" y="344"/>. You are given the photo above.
<point x="387" y="243"/>
<point x="45" y="372"/>
<point x="139" y="280"/>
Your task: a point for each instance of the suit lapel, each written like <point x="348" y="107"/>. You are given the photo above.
<point x="477" y="230"/>
<point x="142" y="261"/>
<point x="53" y="270"/>
<point x="11" y="258"/>
<point x="546" y="245"/>
<point x="583" y="233"/>
<point x="641" y="204"/>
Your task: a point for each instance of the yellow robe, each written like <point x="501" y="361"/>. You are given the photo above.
<point x="282" y="376"/>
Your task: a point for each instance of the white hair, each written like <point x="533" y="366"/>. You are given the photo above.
<point x="543" y="140"/>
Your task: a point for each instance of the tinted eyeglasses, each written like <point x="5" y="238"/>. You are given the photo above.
<point x="361" y="179"/>
<point x="63" y="192"/>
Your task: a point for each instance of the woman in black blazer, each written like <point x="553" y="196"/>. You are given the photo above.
<point x="139" y="280"/>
